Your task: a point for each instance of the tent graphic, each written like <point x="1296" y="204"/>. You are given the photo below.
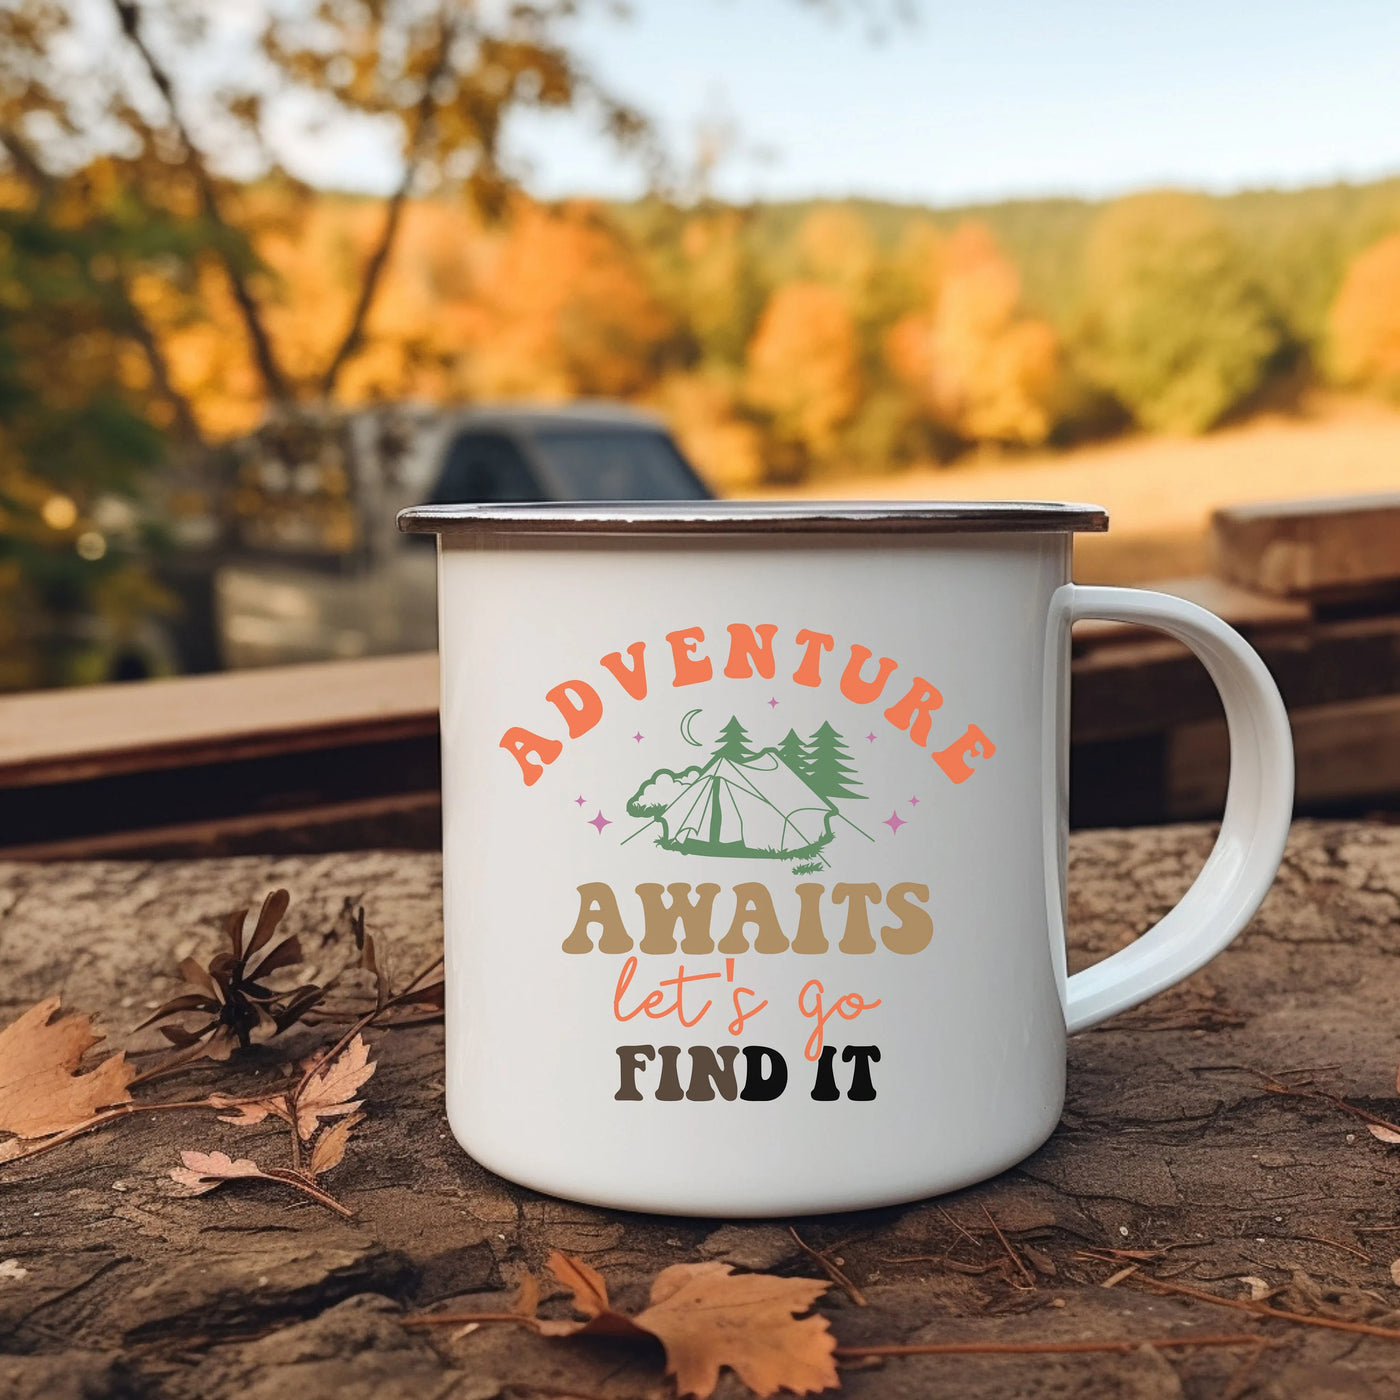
<point x="761" y="804"/>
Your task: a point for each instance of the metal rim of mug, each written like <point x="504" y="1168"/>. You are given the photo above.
<point x="754" y="517"/>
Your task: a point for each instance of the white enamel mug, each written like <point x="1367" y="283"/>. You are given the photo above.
<point x="755" y="839"/>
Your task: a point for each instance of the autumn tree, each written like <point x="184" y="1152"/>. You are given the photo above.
<point x="563" y="309"/>
<point x="1177" y="325"/>
<point x="978" y="365"/>
<point x="1364" y="321"/>
<point x="804" y="367"/>
<point x="77" y="445"/>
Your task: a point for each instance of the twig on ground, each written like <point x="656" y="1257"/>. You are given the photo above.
<point x="840" y="1279"/>
<point x="961" y="1229"/>
<point x="944" y="1262"/>
<point x="1335" y="1324"/>
<point x="1273" y="1085"/>
<point x="1011" y="1254"/>
<point x="1232" y="1339"/>
<point x="1337" y="1244"/>
<point x="112" y="1115"/>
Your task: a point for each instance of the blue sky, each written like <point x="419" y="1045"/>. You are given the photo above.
<point x="985" y="99"/>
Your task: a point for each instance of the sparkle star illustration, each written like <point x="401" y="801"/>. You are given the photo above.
<point x="639" y="736"/>
<point x="773" y="703"/>
<point x="580" y="800"/>
<point x="600" y="821"/>
<point x="913" y="801"/>
<point x="894" y="821"/>
<point x="870" y="738"/>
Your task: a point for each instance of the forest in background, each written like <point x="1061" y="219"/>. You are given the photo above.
<point x="167" y="283"/>
<point x="787" y="342"/>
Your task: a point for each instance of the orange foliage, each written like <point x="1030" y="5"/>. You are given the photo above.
<point x="563" y="310"/>
<point x="1364" y="322"/>
<point x="550" y="305"/>
<point x="704" y="414"/>
<point x="804" y="366"/>
<point x="836" y="246"/>
<point x="981" y="369"/>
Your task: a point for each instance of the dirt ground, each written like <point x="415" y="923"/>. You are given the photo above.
<point x="1159" y="491"/>
<point x="1171" y="1144"/>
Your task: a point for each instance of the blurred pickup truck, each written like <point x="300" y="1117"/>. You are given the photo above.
<point x="316" y="569"/>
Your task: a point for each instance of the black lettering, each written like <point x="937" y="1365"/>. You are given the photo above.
<point x="861" y="1090"/>
<point x="825" y="1090"/>
<point x="758" y="1087"/>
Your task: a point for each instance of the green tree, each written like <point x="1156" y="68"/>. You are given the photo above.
<point x="734" y="742"/>
<point x="76" y="445"/>
<point x="1177" y="325"/>
<point x="829" y="770"/>
<point x="794" y="753"/>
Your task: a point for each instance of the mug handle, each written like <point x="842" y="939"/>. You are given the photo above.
<point x="1258" y="805"/>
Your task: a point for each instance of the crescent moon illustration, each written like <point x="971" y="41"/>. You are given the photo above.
<point x="685" y="729"/>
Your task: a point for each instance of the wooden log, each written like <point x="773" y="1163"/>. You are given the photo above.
<point x="1315" y="549"/>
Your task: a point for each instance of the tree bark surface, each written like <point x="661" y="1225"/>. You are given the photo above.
<point x="1171" y="1142"/>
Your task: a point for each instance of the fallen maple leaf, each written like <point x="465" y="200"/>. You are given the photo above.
<point x="329" y="1093"/>
<point x="203" y="1171"/>
<point x="250" y="1112"/>
<point x="330" y="1147"/>
<point x="41" y="1090"/>
<point x="706" y="1317"/>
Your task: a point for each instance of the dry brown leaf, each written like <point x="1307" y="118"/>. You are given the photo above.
<point x="41" y="1091"/>
<point x="1395" y="1272"/>
<point x="583" y="1281"/>
<point x="329" y="1151"/>
<point x="1385" y="1134"/>
<point x="250" y="1112"/>
<point x="330" y="1092"/>
<point x="203" y="1171"/>
<point x="707" y="1317"/>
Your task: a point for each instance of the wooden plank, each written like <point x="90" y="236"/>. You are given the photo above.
<point x="1145" y="687"/>
<point x="410" y="820"/>
<point x="1310" y="549"/>
<point x="1346" y="752"/>
<point x="97" y="731"/>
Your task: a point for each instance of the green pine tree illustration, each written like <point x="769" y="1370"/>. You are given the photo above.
<point x="829" y="770"/>
<point x="793" y="752"/>
<point x="734" y="742"/>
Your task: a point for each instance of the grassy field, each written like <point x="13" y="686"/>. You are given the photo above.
<point x="1160" y="492"/>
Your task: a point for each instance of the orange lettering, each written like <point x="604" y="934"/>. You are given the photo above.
<point x="745" y="651"/>
<point x="953" y="759"/>
<point x="690" y="669"/>
<point x="521" y="743"/>
<point x="809" y="672"/>
<point x="633" y="680"/>
<point x="578" y="702"/>
<point x="918" y="705"/>
<point x="848" y="1007"/>
<point x="853" y="687"/>
<point x="736" y="1026"/>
